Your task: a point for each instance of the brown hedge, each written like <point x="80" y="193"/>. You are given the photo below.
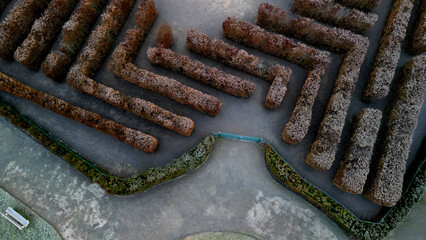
<point x="130" y="136"/>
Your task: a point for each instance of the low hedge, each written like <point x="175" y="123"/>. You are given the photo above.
<point x="352" y="225"/>
<point x="112" y="184"/>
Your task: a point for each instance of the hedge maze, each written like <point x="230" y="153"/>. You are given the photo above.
<point x="306" y="37"/>
<point x="323" y="150"/>
<point x="314" y="60"/>
<point x="386" y="188"/>
<point x="122" y="66"/>
<point x="237" y="58"/>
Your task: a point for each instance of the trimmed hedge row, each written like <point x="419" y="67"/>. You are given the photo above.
<point x="355" y="227"/>
<point x="112" y="184"/>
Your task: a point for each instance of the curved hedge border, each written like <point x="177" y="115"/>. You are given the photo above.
<point x="351" y="224"/>
<point x="112" y="184"/>
<point x="191" y="160"/>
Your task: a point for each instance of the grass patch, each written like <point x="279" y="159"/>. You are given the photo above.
<point x="37" y="229"/>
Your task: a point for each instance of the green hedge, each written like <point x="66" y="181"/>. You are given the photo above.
<point x="355" y="227"/>
<point x="112" y="184"/>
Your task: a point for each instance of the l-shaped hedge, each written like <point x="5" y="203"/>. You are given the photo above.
<point x="355" y="227"/>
